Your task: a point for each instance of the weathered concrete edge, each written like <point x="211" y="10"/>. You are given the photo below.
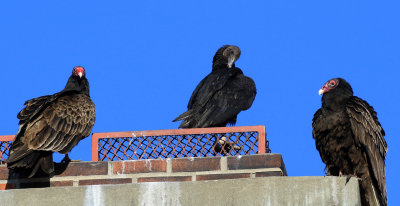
<point x="259" y="191"/>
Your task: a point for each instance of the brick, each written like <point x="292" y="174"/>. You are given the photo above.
<point x="255" y="161"/>
<point x="68" y="183"/>
<point x="105" y="181"/>
<point x="222" y="176"/>
<point x="85" y="169"/>
<point x="7" y="186"/>
<point x="196" y="164"/>
<point x="139" y="166"/>
<point x="269" y="174"/>
<point x="3" y="172"/>
<point x="165" y="179"/>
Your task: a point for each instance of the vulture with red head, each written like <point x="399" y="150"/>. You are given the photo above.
<point x="350" y="140"/>
<point x="52" y="123"/>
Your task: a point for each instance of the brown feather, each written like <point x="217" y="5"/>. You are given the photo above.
<point x="368" y="131"/>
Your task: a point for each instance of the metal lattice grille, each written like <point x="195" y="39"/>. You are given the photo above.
<point x="5" y="144"/>
<point x="205" y="142"/>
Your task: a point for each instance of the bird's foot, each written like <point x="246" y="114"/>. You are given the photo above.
<point x="348" y="177"/>
<point x="352" y="175"/>
<point x="340" y="173"/>
<point x="62" y="166"/>
<point x="237" y="147"/>
<point x="67" y="159"/>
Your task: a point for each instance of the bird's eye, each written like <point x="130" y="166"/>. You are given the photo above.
<point x="332" y="83"/>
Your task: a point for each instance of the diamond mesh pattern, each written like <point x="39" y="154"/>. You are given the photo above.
<point x="204" y="142"/>
<point x="5" y="144"/>
<point x="178" y="146"/>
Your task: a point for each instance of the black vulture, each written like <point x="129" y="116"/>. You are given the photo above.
<point x="221" y="95"/>
<point x="350" y="140"/>
<point x="52" y="123"/>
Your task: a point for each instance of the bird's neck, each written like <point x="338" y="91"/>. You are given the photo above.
<point x="335" y="102"/>
<point x="77" y="85"/>
<point x="219" y="66"/>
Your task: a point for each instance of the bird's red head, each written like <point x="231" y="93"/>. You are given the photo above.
<point x="331" y="84"/>
<point x="78" y="71"/>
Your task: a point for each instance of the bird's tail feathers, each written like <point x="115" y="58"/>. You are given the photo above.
<point x="183" y="116"/>
<point x="189" y="119"/>
<point x="370" y="193"/>
<point x="21" y="157"/>
<point x="25" y="160"/>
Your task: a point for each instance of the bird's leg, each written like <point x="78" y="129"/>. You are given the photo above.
<point x="355" y="175"/>
<point x="62" y="166"/>
<point x="66" y="159"/>
<point x="340" y="173"/>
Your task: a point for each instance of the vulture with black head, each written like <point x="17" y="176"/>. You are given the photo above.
<point x="52" y="123"/>
<point x="221" y="95"/>
<point x="350" y="140"/>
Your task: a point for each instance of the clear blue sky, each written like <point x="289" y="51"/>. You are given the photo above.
<point x="143" y="61"/>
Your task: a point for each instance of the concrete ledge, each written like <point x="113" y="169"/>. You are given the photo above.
<point x="257" y="191"/>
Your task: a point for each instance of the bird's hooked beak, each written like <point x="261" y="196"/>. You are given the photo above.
<point x="320" y="92"/>
<point x="233" y="54"/>
<point x="231" y="60"/>
<point x="79" y="71"/>
<point x="324" y="89"/>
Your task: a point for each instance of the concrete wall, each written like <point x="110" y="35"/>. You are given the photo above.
<point x="268" y="191"/>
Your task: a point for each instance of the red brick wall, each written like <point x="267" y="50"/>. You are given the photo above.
<point x="155" y="170"/>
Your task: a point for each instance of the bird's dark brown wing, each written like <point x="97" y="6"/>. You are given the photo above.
<point x="33" y="107"/>
<point x="370" y="135"/>
<point x="61" y="125"/>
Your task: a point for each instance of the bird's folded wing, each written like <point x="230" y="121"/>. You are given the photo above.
<point x="209" y="86"/>
<point x="370" y="135"/>
<point x="62" y="124"/>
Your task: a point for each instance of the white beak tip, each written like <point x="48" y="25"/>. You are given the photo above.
<point x="321" y="91"/>
<point x="80" y="74"/>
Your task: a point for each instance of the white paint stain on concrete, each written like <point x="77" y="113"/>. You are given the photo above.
<point x="334" y="191"/>
<point x="160" y="194"/>
<point x="148" y="164"/>
<point x="94" y="196"/>
<point x="123" y="167"/>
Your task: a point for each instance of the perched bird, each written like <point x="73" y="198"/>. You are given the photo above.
<point x="221" y="95"/>
<point x="52" y="123"/>
<point x="350" y="140"/>
<point x="224" y="147"/>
